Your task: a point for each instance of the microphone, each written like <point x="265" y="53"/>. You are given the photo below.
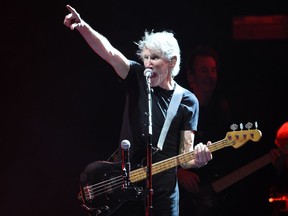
<point x="126" y="166"/>
<point x="148" y="72"/>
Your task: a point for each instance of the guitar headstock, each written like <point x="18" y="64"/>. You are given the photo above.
<point x="239" y="138"/>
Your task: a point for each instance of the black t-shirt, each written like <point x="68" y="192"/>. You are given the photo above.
<point x="135" y="123"/>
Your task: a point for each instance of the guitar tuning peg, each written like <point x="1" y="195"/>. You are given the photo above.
<point x="234" y="127"/>
<point x="249" y="125"/>
<point x="256" y="124"/>
<point x="241" y="126"/>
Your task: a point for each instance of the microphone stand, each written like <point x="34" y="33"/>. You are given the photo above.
<point x="149" y="206"/>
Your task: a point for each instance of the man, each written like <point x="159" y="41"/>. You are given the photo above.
<point x="160" y="54"/>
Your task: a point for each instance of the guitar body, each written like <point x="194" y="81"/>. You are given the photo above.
<point x="101" y="188"/>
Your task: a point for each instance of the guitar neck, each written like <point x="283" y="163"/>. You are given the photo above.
<point x="233" y="138"/>
<point x="241" y="173"/>
<point x="141" y="173"/>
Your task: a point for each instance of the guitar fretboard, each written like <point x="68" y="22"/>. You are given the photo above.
<point x="234" y="138"/>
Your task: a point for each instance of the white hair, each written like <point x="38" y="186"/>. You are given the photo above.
<point x="163" y="44"/>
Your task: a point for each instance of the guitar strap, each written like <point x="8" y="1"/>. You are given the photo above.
<point x="171" y="112"/>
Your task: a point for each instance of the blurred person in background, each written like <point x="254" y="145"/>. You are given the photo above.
<point x="202" y="75"/>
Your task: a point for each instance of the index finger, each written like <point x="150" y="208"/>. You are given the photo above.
<point x="71" y="9"/>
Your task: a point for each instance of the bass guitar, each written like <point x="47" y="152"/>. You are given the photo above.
<point x="106" y="194"/>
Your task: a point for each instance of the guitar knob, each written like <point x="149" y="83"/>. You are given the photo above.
<point x="249" y="125"/>
<point x="106" y="208"/>
<point x="241" y="126"/>
<point x="256" y="124"/>
<point x="234" y="127"/>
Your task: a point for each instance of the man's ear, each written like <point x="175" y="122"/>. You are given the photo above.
<point x="173" y="61"/>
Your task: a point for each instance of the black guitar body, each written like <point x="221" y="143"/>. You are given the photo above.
<point x="102" y="190"/>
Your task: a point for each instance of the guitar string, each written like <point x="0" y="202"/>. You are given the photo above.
<point x="103" y="187"/>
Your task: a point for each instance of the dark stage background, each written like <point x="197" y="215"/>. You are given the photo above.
<point x="63" y="104"/>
